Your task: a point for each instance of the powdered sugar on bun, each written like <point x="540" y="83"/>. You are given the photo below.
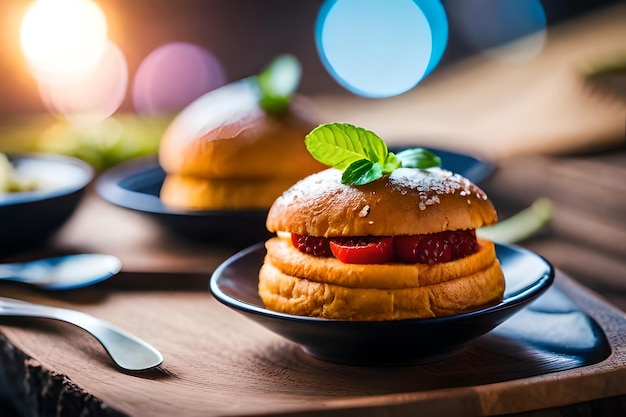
<point x="407" y="202"/>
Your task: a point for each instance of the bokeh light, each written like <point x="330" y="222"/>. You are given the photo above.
<point x="506" y="30"/>
<point x="92" y="96"/>
<point x="438" y="22"/>
<point x="174" y="75"/>
<point x="80" y="73"/>
<point x="380" y="49"/>
<point x="63" y="38"/>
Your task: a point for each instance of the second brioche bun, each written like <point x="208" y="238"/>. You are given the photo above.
<point x="226" y="135"/>
<point x="187" y="192"/>
<point x="408" y="202"/>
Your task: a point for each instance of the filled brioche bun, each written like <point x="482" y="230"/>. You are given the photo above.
<point x="226" y="139"/>
<point x="406" y="203"/>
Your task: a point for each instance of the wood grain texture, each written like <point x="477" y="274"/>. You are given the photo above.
<point x="586" y="236"/>
<point x="219" y="363"/>
<point x="41" y="392"/>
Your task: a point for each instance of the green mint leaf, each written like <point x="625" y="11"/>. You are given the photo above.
<point x="361" y="172"/>
<point x="391" y="163"/>
<point x="418" y="158"/>
<point x="278" y="82"/>
<point x="339" y="144"/>
<point x="361" y="154"/>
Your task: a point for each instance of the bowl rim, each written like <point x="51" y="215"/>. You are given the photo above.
<point x="23" y="197"/>
<point x="110" y="187"/>
<point x="524" y="295"/>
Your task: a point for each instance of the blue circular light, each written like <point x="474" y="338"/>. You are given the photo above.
<point x="381" y="49"/>
<point x="438" y="21"/>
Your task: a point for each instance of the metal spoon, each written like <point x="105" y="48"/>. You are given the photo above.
<point x="127" y="351"/>
<point x="62" y="272"/>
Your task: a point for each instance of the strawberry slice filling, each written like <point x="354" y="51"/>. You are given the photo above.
<point x="425" y="249"/>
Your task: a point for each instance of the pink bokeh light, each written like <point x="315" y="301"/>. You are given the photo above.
<point x="174" y="75"/>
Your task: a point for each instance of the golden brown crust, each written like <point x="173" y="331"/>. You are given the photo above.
<point x="250" y="143"/>
<point x="225" y="152"/>
<point x="284" y="256"/>
<point x="300" y="296"/>
<point x="184" y="192"/>
<point x="407" y="202"/>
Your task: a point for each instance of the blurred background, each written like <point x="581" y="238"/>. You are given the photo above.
<point x="243" y="35"/>
<point x="150" y="58"/>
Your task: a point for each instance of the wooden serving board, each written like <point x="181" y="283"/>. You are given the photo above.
<point x="219" y="363"/>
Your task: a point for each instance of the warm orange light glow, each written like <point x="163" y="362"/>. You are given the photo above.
<point x="81" y="74"/>
<point x="91" y="97"/>
<point x="63" y="38"/>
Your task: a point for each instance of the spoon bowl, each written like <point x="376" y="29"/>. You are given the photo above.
<point x="62" y="272"/>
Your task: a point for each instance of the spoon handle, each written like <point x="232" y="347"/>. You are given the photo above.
<point x="127" y="351"/>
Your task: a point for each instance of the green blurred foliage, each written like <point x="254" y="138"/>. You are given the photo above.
<point x="103" y="144"/>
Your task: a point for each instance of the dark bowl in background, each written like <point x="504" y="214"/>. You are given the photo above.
<point x="29" y="218"/>
<point x="136" y="184"/>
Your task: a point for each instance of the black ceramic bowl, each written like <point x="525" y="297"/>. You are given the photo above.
<point x="30" y="218"/>
<point x="136" y="184"/>
<point x="383" y="343"/>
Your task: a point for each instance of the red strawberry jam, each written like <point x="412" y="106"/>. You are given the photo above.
<point x="425" y="249"/>
<point x="435" y="247"/>
<point x="312" y="245"/>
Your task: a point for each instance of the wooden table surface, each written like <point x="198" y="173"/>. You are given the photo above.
<point x="552" y="136"/>
<point x="219" y="363"/>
